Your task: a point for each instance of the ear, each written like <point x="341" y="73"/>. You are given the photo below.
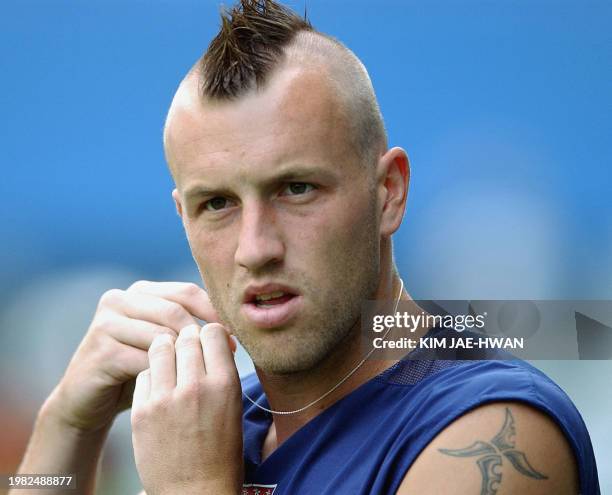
<point x="177" y="203"/>
<point x="392" y="181"/>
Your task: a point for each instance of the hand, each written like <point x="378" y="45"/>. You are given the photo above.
<point x="187" y="415"/>
<point x="100" y="378"/>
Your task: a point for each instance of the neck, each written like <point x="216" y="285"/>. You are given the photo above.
<point x="290" y="392"/>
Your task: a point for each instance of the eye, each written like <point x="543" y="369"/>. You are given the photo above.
<point x="215" y="204"/>
<point x="296" y="188"/>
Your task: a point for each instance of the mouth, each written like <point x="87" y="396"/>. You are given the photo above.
<point x="271" y="305"/>
<point x="271" y="299"/>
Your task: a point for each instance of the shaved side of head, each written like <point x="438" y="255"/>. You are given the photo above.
<point x="352" y="84"/>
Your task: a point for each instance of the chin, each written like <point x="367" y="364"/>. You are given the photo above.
<point x="277" y="366"/>
<point x="287" y="357"/>
<point x="297" y="347"/>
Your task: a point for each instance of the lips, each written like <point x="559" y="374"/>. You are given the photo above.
<point x="267" y="292"/>
<point x="273" y="299"/>
<point x="271" y="305"/>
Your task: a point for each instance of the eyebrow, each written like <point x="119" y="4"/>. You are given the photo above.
<point x="298" y="173"/>
<point x="199" y="191"/>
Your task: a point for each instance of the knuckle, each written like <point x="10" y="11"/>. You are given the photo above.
<point x="174" y="312"/>
<point x="103" y="322"/>
<point x="161" y="403"/>
<point x="138" y="417"/>
<point x="105" y="351"/>
<point x="214" y="329"/>
<point x="224" y="382"/>
<point x="187" y="341"/>
<point x="161" y="348"/>
<point x="111" y="297"/>
<point x="190" y="392"/>
<point x="190" y="331"/>
<point x="159" y="330"/>
<point x="139" y="285"/>
<point x="191" y="289"/>
<point x="100" y="354"/>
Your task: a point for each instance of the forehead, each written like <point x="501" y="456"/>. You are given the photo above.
<point x="297" y="117"/>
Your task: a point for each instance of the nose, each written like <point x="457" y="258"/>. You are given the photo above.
<point x="260" y="242"/>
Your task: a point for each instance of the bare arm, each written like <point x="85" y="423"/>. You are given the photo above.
<point x="58" y="448"/>
<point x="73" y="424"/>
<point x="499" y="448"/>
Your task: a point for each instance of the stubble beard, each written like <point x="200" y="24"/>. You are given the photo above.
<point x="330" y="316"/>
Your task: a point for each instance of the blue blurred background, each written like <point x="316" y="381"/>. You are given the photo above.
<point x="504" y="106"/>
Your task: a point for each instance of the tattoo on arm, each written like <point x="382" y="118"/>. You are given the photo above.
<point x="490" y="456"/>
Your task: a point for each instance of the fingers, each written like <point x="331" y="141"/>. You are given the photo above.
<point x="136" y="333"/>
<point x="194" y="356"/>
<point x="124" y="362"/>
<point x="142" y="389"/>
<point x="218" y="354"/>
<point x="116" y="361"/>
<point x="162" y="363"/>
<point x="147" y="309"/>
<point x="192" y="297"/>
<point x="189" y="359"/>
<point x="153" y="309"/>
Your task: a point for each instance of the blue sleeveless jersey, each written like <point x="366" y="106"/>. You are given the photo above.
<point x="366" y="442"/>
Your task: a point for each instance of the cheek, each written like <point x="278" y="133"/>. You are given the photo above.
<point x="345" y="226"/>
<point x="210" y="249"/>
<point x="355" y="219"/>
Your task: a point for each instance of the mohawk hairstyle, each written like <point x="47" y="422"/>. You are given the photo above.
<point x="249" y="44"/>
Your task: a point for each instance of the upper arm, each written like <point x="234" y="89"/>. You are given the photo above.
<point x="499" y="448"/>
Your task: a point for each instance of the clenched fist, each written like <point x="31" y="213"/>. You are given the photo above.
<point x="186" y="415"/>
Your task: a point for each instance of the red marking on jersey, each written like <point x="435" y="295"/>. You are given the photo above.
<point x="258" y="489"/>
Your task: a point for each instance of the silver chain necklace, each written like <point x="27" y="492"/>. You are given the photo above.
<point x="399" y="295"/>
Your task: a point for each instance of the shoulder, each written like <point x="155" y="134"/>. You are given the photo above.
<point x="457" y="400"/>
<point x="453" y="388"/>
<point x="501" y="447"/>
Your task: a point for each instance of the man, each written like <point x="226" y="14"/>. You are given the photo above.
<point x="289" y="196"/>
